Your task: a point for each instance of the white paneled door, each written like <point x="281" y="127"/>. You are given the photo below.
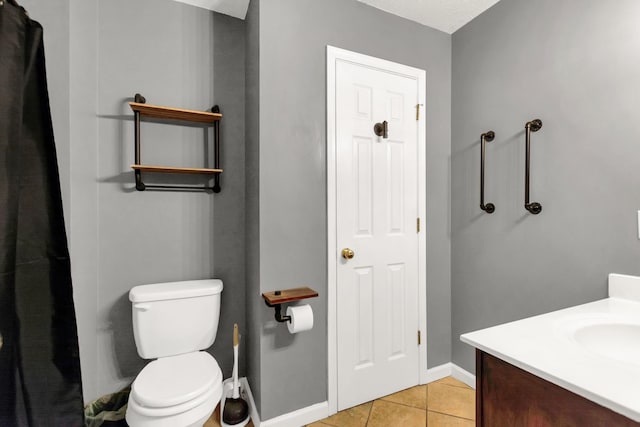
<point x="377" y="210"/>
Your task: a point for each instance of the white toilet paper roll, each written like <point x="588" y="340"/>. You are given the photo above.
<point x="301" y="318"/>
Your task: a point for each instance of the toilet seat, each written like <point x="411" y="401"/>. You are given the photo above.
<point x="172" y="381"/>
<point x="185" y="415"/>
<point x="214" y="394"/>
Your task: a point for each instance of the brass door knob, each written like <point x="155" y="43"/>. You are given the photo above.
<point x="347" y="253"/>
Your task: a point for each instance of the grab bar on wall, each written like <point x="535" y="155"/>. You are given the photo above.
<point x="532" y="126"/>
<point x="484" y="138"/>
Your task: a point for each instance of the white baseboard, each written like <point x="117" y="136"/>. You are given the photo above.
<point x="253" y="411"/>
<point x="438" y="372"/>
<point x="300" y="417"/>
<point x="465" y="376"/>
<point x="297" y="418"/>
<point x="453" y="370"/>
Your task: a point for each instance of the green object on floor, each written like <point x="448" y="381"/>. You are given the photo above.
<point x="107" y="411"/>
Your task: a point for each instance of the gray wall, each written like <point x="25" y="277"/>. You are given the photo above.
<point x="254" y="302"/>
<point x="183" y="56"/>
<point x="83" y="199"/>
<point x="293" y="35"/>
<point x="229" y="256"/>
<point x="70" y="44"/>
<point x="179" y="55"/>
<point x="574" y="65"/>
<point x="54" y="17"/>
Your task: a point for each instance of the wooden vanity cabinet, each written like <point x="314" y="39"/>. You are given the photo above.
<point x="507" y="396"/>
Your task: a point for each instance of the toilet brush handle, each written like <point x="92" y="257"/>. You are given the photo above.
<point x="235" y="335"/>
<point x="236" y="391"/>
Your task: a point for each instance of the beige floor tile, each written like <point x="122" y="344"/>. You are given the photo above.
<point x="415" y="397"/>
<point x="453" y="382"/>
<point x="436" y="419"/>
<point x="214" y="419"/>
<point x="451" y="400"/>
<point x="387" y="414"/>
<point x="318" y="424"/>
<point x="352" y="417"/>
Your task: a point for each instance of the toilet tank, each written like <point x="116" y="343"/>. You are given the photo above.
<point x="175" y="318"/>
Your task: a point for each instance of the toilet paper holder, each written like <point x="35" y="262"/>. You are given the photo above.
<point x="275" y="299"/>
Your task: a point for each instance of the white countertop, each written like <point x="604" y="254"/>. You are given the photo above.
<point x="543" y="346"/>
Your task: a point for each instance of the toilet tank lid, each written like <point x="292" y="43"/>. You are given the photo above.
<point x="175" y="290"/>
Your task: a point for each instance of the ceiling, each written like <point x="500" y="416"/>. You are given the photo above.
<point x="235" y="8"/>
<point x="443" y="15"/>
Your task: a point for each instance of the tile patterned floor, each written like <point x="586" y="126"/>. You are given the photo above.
<point x="444" y="403"/>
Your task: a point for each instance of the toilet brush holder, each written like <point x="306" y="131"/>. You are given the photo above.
<point x="227" y="391"/>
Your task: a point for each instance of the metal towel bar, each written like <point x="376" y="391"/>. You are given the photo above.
<point x="484" y="138"/>
<point x="532" y="126"/>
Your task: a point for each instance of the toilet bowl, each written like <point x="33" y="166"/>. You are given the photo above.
<point x="175" y="322"/>
<point x="175" y="391"/>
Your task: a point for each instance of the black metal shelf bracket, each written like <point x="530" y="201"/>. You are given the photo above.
<point x="141" y="186"/>
<point x="278" y="307"/>
<point x="216" y="150"/>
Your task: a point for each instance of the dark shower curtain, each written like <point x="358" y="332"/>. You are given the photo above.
<point x="40" y="383"/>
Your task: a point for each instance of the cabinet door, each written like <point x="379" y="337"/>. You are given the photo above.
<point x="509" y="396"/>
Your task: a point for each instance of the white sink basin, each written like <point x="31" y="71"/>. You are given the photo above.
<point x="610" y="337"/>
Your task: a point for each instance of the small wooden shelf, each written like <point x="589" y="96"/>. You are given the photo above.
<point x="171" y="113"/>
<point x="288" y="295"/>
<point x="171" y="169"/>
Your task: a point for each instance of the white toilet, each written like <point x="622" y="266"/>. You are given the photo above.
<point x="173" y="323"/>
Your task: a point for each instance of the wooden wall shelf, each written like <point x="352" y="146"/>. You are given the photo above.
<point x="288" y="295"/>
<point x="171" y="169"/>
<point x="142" y="109"/>
<point x="159" y="112"/>
<point x="275" y="299"/>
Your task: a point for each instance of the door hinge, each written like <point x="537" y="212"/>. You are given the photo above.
<point x="419" y="338"/>
<point x="418" y="111"/>
<point x="418" y="225"/>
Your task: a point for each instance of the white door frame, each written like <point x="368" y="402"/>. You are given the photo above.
<point x="335" y="55"/>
